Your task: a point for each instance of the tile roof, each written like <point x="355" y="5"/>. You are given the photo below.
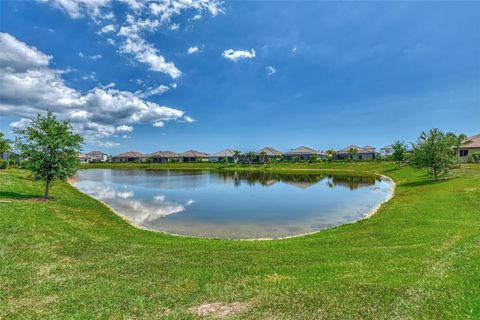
<point x="193" y="154"/>
<point x="163" y="154"/>
<point x="270" y="151"/>
<point x="302" y="150"/>
<point x="223" y="153"/>
<point x="131" y="154"/>
<point x="95" y="153"/>
<point x="359" y="149"/>
<point x="474" y="142"/>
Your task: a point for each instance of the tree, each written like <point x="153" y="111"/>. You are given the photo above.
<point x="236" y="156"/>
<point x="352" y="152"/>
<point x="331" y="154"/>
<point x="457" y="141"/>
<point x="5" y="144"/>
<point x="433" y="152"/>
<point x="50" y="149"/>
<point x="251" y="156"/>
<point x="263" y="156"/>
<point x="399" y="151"/>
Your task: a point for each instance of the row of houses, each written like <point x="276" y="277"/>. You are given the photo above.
<point x="354" y="152"/>
<point x="229" y="155"/>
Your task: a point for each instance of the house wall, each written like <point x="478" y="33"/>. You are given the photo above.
<point x="469" y="152"/>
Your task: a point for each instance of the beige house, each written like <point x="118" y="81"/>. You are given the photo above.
<point x="472" y="145"/>
<point x="130" y="156"/>
<point x="303" y="153"/>
<point x="363" y="153"/>
<point x="224" y="155"/>
<point x="164" y="156"/>
<point x="193" y="156"/>
<point x="270" y="153"/>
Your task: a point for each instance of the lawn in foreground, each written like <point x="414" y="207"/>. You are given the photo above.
<point x="418" y="258"/>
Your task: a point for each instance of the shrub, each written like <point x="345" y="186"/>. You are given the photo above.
<point x="474" y="157"/>
<point x="3" y="164"/>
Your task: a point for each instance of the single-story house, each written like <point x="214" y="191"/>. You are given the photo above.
<point x="472" y="145"/>
<point x="165" y="156"/>
<point x="386" y="151"/>
<point x="303" y="153"/>
<point x="96" y="156"/>
<point x="221" y="156"/>
<point x="130" y="156"/>
<point x="270" y="153"/>
<point x="193" y="156"/>
<point x="363" y="153"/>
<point x="82" y="158"/>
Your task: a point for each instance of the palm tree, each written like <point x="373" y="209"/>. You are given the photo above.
<point x="236" y="155"/>
<point x="332" y="154"/>
<point x="352" y="152"/>
<point x="457" y="142"/>
<point x="263" y="156"/>
<point x="251" y="156"/>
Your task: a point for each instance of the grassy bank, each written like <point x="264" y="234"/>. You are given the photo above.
<point x="418" y="258"/>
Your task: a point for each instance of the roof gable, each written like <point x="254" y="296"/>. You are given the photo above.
<point x="270" y="151"/>
<point x="223" y="153"/>
<point x="193" y="154"/>
<point x="302" y="150"/>
<point x="474" y="142"/>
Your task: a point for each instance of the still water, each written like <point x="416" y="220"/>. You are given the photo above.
<point x="234" y="205"/>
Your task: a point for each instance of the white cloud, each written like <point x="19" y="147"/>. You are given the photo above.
<point x="270" y="70"/>
<point x="192" y="50"/>
<point x="188" y="119"/>
<point x="159" y="124"/>
<point x="95" y="9"/>
<point x="174" y="26"/>
<point x="30" y="86"/>
<point x="124" y="128"/>
<point x="197" y="17"/>
<point x="106" y="29"/>
<point x="142" y="17"/>
<point x="154" y="91"/>
<point x="93" y="57"/>
<point x="235" y="55"/>
<point x="20" y="124"/>
<point x="294" y="49"/>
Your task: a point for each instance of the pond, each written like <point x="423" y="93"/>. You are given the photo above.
<point x="234" y="205"/>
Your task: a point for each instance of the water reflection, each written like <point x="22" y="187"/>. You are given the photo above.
<point x="234" y="205"/>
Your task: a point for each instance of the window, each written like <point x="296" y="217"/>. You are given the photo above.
<point x="463" y="153"/>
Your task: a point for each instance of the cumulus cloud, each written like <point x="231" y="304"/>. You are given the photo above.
<point x="235" y="55"/>
<point x="143" y="17"/>
<point x="192" y="50"/>
<point x="270" y="70"/>
<point x="30" y="86"/>
<point x="124" y="128"/>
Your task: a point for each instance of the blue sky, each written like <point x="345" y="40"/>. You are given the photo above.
<point x="321" y="74"/>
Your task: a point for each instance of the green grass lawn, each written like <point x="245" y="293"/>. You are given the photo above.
<point x="72" y="258"/>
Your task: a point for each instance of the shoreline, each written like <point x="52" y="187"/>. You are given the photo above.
<point x="368" y="215"/>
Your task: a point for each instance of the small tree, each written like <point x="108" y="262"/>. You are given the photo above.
<point x="399" y="151"/>
<point x="263" y="156"/>
<point x="50" y="149"/>
<point x="5" y="144"/>
<point x="236" y="156"/>
<point x="352" y="152"/>
<point x="433" y="152"/>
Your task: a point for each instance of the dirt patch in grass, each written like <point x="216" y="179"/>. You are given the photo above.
<point x="218" y="309"/>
